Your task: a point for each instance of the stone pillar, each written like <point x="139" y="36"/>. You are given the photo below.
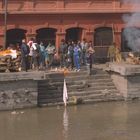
<point x="117" y="39"/>
<point x="89" y="35"/>
<point x="2" y="36"/>
<point x="1" y="5"/>
<point x="59" y="37"/>
<point x="1" y="40"/>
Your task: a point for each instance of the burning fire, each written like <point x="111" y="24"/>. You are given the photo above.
<point x="132" y="59"/>
<point x="10" y="52"/>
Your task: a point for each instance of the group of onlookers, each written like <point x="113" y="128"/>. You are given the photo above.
<point x="75" y="54"/>
<point x="69" y="54"/>
<point x="36" y="56"/>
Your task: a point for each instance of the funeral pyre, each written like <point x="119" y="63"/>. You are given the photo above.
<point x="10" y="60"/>
<point x="133" y="58"/>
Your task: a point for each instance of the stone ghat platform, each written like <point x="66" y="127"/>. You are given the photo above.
<point x="34" y="75"/>
<point x="126" y="78"/>
<point x="41" y="88"/>
<point x="124" y="69"/>
<point x="20" y="89"/>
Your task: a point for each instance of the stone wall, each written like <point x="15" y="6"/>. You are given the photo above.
<point x="30" y="89"/>
<point x="120" y="83"/>
<point x="126" y="78"/>
<point x="133" y="83"/>
<point x="18" y="94"/>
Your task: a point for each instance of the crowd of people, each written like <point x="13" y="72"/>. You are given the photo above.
<point x="69" y="55"/>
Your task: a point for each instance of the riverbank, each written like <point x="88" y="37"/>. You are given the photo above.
<point x="41" y="88"/>
<point x="45" y="88"/>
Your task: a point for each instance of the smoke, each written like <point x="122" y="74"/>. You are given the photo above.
<point x="132" y="22"/>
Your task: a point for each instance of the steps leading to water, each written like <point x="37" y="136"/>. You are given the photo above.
<point x="82" y="88"/>
<point x="97" y="87"/>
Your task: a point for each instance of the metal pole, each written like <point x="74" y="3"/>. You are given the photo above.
<point x="5" y="23"/>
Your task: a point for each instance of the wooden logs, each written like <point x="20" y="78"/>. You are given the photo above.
<point x="9" y="64"/>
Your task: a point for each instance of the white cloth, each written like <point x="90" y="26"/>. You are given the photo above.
<point x="65" y="93"/>
<point x="34" y="46"/>
<point x="31" y="51"/>
<point x="13" y="54"/>
<point x="30" y="43"/>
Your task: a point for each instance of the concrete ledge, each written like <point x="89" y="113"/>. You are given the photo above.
<point x="37" y="75"/>
<point x="124" y="69"/>
<point x="31" y="75"/>
<point x="126" y="78"/>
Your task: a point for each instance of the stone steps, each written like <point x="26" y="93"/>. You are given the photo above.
<point x="119" y="98"/>
<point x="58" y="82"/>
<point x="81" y="86"/>
<point x="47" y="101"/>
<point x="50" y="96"/>
<point x="71" y="74"/>
<point x="92" y="96"/>
<point x="83" y="77"/>
<point x="83" y="93"/>
<point x="81" y="82"/>
<point x="90" y="85"/>
<point x="85" y="101"/>
<point x="101" y="84"/>
<point x="92" y="88"/>
<point x="99" y="81"/>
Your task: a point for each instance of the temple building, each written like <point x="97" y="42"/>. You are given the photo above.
<point x="100" y="21"/>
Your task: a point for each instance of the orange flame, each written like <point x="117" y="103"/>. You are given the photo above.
<point x="65" y="71"/>
<point x="12" y="53"/>
<point x="5" y="52"/>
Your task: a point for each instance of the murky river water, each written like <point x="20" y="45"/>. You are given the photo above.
<point x="102" y="121"/>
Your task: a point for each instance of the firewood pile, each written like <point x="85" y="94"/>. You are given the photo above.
<point x="10" y="61"/>
<point x="132" y="59"/>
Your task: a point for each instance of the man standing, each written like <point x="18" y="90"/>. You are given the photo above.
<point x="63" y="52"/>
<point x="90" y="52"/>
<point x="76" y="57"/>
<point x="50" y="50"/>
<point x="84" y="46"/>
<point x="42" y="55"/>
<point x="70" y="54"/>
<point x="24" y="55"/>
<point x="111" y="52"/>
<point x="30" y="43"/>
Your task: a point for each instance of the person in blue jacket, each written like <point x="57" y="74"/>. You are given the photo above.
<point x="76" y="57"/>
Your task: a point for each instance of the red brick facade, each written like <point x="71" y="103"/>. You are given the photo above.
<point x="85" y="16"/>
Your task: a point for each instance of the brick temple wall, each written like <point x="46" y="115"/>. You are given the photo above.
<point x="62" y="15"/>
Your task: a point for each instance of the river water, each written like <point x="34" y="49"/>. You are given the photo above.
<point x="102" y="121"/>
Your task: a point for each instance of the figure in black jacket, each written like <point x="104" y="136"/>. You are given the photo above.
<point x="24" y="55"/>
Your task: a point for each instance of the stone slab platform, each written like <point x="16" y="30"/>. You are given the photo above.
<point x="21" y="76"/>
<point x="33" y="75"/>
<point x="126" y="78"/>
<point x="124" y="69"/>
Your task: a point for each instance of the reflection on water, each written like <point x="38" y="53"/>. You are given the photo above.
<point x="102" y="121"/>
<point x="65" y="124"/>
